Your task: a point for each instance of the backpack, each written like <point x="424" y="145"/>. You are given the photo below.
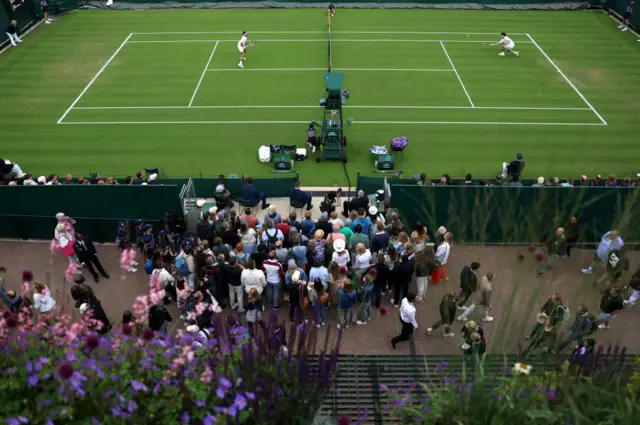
<point x="181" y="266"/>
<point x="272" y="239"/>
<point x="399" y="143"/>
<point x="318" y="250"/>
<point x="264" y="154"/>
<point x="148" y="266"/>
<point x="566" y="314"/>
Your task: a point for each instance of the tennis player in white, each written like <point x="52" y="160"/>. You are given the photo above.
<point x="242" y="47"/>
<point x="507" y="45"/>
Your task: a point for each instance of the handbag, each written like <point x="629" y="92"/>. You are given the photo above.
<point x="304" y="301"/>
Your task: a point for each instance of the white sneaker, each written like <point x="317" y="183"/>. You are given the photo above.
<point x="134" y="263"/>
<point x="501" y="54"/>
<point x="487" y="319"/>
<point x="620" y="26"/>
<point x="318" y="326"/>
<point x="392" y="301"/>
<point x="109" y="2"/>
<point x="516" y="53"/>
<point x="588" y="270"/>
<point x="132" y="270"/>
<point x="629" y="303"/>
<point x="462" y="318"/>
<point x="313" y="150"/>
<point x="240" y="65"/>
<point x="429" y="331"/>
<point x="47" y="21"/>
<point x="603" y="326"/>
<point x="450" y="335"/>
<point x="359" y="322"/>
<point x="625" y="29"/>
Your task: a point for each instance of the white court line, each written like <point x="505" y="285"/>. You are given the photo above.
<point x="356" y="122"/>
<point x="203" y="74"/>
<point x="322" y="40"/>
<point x="568" y="81"/>
<point x="94" y="79"/>
<point x="500" y="108"/>
<point x="324" y="32"/>
<point x="325" y="69"/>
<point x="457" y="75"/>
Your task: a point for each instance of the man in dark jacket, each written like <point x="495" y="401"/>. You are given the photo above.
<point x="610" y="305"/>
<point x="553" y="308"/>
<point x="514" y="168"/>
<point x="468" y="283"/>
<point x="556" y="246"/>
<point x="401" y="276"/>
<point x="205" y="230"/>
<point x="88" y="256"/>
<point x="447" y="315"/>
<point x="250" y="193"/>
<point x="356" y="204"/>
<point x="11" y="299"/>
<point x="572" y="233"/>
<point x="297" y="195"/>
<point x="159" y="318"/>
<point x="583" y="325"/>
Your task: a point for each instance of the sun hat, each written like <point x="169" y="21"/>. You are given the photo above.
<point x="373" y="210"/>
<point x="319" y="234"/>
<point x="219" y="188"/>
<point x="193" y="328"/>
<point x="153" y="177"/>
<point x="200" y="203"/>
<point x="338" y="245"/>
<point x="59" y="216"/>
<point x="42" y="179"/>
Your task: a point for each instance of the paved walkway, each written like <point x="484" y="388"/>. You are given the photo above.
<point x="517" y="297"/>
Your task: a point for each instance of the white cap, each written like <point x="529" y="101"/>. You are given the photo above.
<point x="219" y="188"/>
<point x="153" y="177"/>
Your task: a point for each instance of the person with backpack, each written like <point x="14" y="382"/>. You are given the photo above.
<point x="447" y="315"/>
<point x="584" y="324"/>
<point x="365" y="297"/>
<point x="468" y="284"/>
<point x="319" y="299"/>
<point x="271" y="235"/>
<point x="347" y="299"/>
<point x="610" y="305"/>
<point x="317" y="247"/>
<point x="298" y="297"/>
<point x="186" y="265"/>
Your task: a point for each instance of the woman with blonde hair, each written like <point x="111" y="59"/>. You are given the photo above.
<point x="401" y="241"/>
<point x="43" y="302"/>
<point x="442" y="256"/>
<point x="334" y="219"/>
<point x="418" y="238"/>
<point x="362" y="261"/>
<point x="254" y="308"/>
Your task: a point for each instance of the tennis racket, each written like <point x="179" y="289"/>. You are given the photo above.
<point x="251" y="43"/>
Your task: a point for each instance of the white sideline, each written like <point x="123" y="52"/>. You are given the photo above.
<point x="325" y="69"/>
<point x="323" y="32"/>
<point x="94" y="79"/>
<point x="501" y="108"/>
<point x="567" y="80"/>
<point x="457" y="75"/>
<point x="322" y="40"/>
<point x="206" y="67"/>
<point x="358" y="122"/>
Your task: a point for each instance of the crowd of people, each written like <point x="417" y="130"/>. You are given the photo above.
<point x="340" y="264"/>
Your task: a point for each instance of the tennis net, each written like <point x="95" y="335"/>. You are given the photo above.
<point x="329" y="26"/>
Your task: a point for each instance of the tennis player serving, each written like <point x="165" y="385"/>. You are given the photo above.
<point x="507" y="45"/>
<point x="242" y="47"/>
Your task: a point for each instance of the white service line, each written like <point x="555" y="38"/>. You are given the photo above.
<point x="323" y="32"/>
<point x="567" y="80"/>
<point x="324" y="69"/>
<point x="322" y="40"/>
<point x="501" y="108"/>
<point x="457" y="75"/>
<point x="356" y="122"/>
<point x="203" y="74"/>
<point x="94" y="79"/>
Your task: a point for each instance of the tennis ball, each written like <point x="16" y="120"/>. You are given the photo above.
<point x="468" y="35"/>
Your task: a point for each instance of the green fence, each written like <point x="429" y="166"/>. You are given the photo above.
<point x="519" y="215"/>
<point x="28" y="212"/>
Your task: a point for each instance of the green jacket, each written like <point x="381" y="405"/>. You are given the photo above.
<point x="548" y="340"/>
<point x="426" y="266"/>
<point x="556" y="246"/>
<point x="551" y="309"/>
<point x="448" y="309"/>
<point x="582" y="325"/>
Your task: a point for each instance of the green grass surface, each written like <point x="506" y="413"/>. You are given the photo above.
<point x="383" y="68"/>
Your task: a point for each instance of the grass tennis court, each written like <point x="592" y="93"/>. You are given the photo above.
<point x="118" y="91"/>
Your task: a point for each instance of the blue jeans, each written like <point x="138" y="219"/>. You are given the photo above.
<point x="273" y="294"/>
<point x="320" y="312"/>
<point x="249" y="248"/>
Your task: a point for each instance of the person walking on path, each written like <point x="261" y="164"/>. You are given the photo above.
<point x="584" y="324"/>
<point x="442" y="256"/>
<point x="88" y="256"/>
<point x="426" y="264"/>
<point x="556" y="246"/>
<point x="610" y="241"/>
<point x="346" y="305"/>
<point x="468" y="284"/>
<point x="483" y="299"/>
<point x="447" y="315"/>
<point x="407" y="320"/>
<point x="554" y="309"/>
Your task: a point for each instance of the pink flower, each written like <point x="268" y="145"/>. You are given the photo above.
<point x="65" y="371"/>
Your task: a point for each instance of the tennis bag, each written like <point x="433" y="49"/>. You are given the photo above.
<point x="399" y="143"/>
<point x="264" y="154"/>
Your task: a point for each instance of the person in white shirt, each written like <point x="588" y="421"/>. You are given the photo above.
<point x="253" y="278"/>
<point x="507" y="45"/>
<point x="242" y="48"/>
<point x="363" y="258"/>
<point x="442" y="256"/>
<point x="407" y="319"/>
<point x="42" y="300"/>
<point x="340" y="255"/>
<point x="610" y="241"/>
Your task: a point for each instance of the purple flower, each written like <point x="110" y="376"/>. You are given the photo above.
<point x="209" y="420"/>
<point x="23" y="420"/>
<point x="225" y="383"/>
<point x="138" y="386"/>
<point x="13" y="421"/>
<point x="250" y="396"/>
<point x="32" y="380"/>
<point x="185" y="418"/>
<point x="132" y="406"/>
<point x="220" y="392"/>
<point x="426" y="410"/>
<point x="240" y="402"/>
<point x="156" y="389"/>
<point x="383" y="387"/>
<point x="71" y="357"/>
<point x="232" y="411"/>
<point x="29" y="367"/>
<point x="200" y="403"/>
<point x="95" y="421"/>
